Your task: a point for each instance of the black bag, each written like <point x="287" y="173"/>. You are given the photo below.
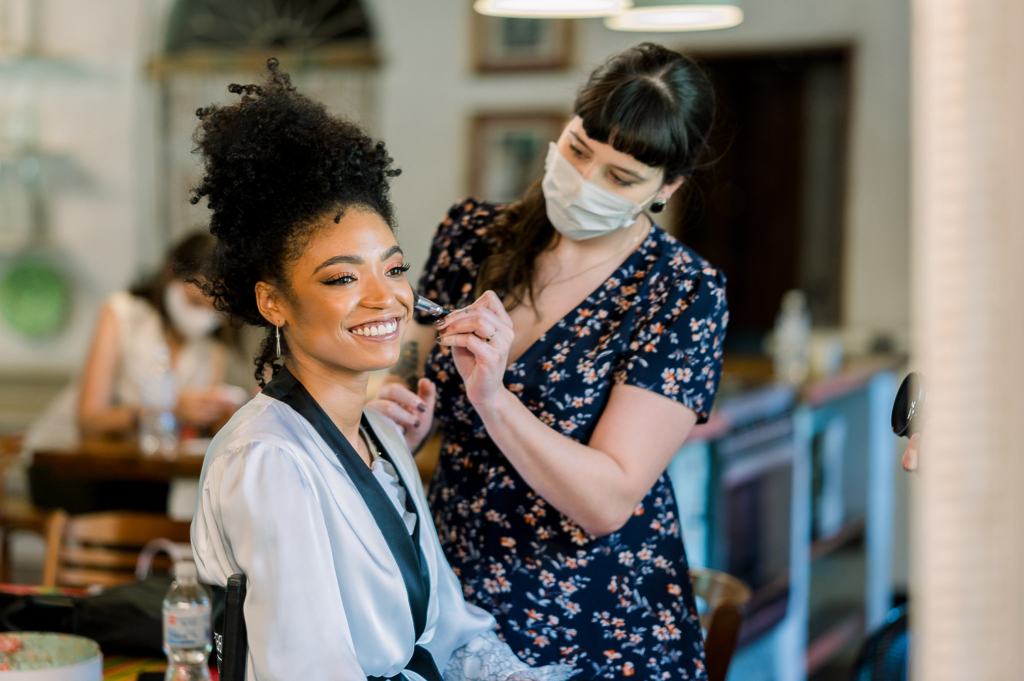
<point x="123" y="619"/>
<point x="127" y="618"/>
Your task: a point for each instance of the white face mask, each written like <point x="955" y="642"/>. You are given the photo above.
<point x="579" y="209"/>
<point x="191" y="321"/>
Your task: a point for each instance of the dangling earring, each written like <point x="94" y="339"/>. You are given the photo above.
<point x="277" y="332"/>
<point x="657" y="206"/>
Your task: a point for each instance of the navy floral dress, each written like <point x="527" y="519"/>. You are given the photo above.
<point x="614" y="606"/>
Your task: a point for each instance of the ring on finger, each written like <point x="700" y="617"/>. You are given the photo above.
<point x="488" y="338"/>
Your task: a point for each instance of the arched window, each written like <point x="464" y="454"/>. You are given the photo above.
<point x="326" y="45"/>
<point x="248" y="24"/>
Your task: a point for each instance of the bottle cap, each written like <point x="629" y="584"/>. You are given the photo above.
<point x="185" y="570"/>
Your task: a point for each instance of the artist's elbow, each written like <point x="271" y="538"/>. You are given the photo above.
<point x="607" y="519"/>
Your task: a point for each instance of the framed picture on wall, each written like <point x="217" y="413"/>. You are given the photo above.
<point x="504" y="44"/>
<point x="507" y="152"/>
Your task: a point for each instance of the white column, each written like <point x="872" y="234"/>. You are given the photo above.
<point x="968" y="250"/>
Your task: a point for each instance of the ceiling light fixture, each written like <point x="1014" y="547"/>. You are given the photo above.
<point x="551" y="9"/>
<point x="671" y="15"/>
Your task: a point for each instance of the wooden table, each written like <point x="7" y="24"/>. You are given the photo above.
<point x="116" y="460"/>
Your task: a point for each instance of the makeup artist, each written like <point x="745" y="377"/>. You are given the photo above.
<point x="585" y="344"/>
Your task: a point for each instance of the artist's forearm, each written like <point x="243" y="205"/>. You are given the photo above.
<point x="583" y="483"/>
<point x="416" y="345"/>
<point x="407" y="369"/>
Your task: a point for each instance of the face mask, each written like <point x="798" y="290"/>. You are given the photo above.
<point x="191" y="321"/>
<point x="580" y="209"/>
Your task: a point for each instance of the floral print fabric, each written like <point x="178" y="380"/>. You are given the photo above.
<point x="615" y="606"/>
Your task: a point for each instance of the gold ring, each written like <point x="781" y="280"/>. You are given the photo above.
<point x="488" y="339"/>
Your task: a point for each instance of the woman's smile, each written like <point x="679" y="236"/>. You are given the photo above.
<point x="379" y="330"/>
<point x="346" y="302"/>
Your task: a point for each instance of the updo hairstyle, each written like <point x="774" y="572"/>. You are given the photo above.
<point x="276" y="163"/>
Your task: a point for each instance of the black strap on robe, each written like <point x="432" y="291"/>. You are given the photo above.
<point x="405" y="549"/>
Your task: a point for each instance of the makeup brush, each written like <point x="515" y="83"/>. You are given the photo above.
<point x="430" y="307"/>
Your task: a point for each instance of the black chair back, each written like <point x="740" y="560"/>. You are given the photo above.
<point x="232" y="640"/>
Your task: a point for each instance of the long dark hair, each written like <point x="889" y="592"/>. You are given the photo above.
<point x="649" y="102"/>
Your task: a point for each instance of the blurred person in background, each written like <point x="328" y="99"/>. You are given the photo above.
<point x="160" y="322"/>
<point x="162" y="318"/>
<point x="585" y="344"/>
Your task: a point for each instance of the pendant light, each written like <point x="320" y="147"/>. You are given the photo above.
<point x="674" y="15"/>
<point x="551" y="9"/>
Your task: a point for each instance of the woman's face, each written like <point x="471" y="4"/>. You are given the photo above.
<point x="348" y="301"/>
<point x="610" y="169"/>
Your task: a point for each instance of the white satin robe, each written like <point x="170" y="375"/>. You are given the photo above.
<point x="325" y="598"/>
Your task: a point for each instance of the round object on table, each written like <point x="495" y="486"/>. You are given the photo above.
<point x="34" y="297"/>
<point x="43" y="656"/>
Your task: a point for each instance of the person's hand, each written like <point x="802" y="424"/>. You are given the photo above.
<point x="204" y="406"/>
<point x="910" y="456"/>
<point x="413" y="412"/>
<point x="480" y="337"/>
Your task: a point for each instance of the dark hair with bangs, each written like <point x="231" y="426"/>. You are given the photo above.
<point x="650" y="102"/>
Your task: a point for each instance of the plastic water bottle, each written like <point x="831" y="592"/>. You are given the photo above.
<point x="791" y="351"/>
<point x="158" y="427"/>
<point x="187" y="626"/>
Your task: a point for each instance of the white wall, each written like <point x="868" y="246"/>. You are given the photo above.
<point x="103" y="120"/>
<point x="427" y="96"/>
<point x="429" y="93"/>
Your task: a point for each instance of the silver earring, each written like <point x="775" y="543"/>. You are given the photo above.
<point x="277" y="332"/>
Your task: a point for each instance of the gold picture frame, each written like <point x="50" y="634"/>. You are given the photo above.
<point x="511" y="45"/>
<point x="507" y="151"/>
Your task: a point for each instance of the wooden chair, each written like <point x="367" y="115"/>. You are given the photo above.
<point x="15" y="514"/>
<point x="726" y="597"/>
<point x="102" y="548"/>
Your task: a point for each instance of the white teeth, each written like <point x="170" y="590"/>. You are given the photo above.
<point x="377" y="329"/>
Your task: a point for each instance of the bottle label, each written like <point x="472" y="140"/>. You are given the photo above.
<point x="187" y="627"/>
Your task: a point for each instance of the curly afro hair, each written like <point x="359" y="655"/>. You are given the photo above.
<point x="276" y="164"/>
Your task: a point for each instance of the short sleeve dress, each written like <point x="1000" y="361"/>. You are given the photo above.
<point x="613" y="606"/>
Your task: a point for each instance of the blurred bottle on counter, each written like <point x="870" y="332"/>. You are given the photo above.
<point x="791" y="345"/>
<point x="158" y="427"/>
<point x="187" y="640"/>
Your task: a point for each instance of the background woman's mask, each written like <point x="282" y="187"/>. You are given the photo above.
<point x="191" y="321"/>
<point x="579" y="209"/>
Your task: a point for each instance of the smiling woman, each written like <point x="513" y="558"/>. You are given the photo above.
<point x="347" y="298"/>
<point x="314" y="498"/>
